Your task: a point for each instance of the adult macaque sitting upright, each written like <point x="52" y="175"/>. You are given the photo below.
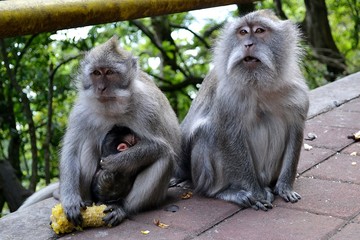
<point x="113" y="91"/>
<point x="243" y="134"/>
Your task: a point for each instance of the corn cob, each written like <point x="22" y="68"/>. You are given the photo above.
<point x="92" y="217"/>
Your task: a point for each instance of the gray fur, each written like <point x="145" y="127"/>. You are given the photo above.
<point x="137" y="104"/>
<point x="242" y="136"/>
<point x="44" y="193"/>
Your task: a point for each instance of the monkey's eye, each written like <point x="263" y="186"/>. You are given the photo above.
<point x="242" y="32"/>
<point x="109" y="72"/>
<point x="259" y="30"/>
<point x="96" y="72"/>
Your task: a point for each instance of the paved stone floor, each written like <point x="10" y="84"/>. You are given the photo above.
<point x="328" y="181"/>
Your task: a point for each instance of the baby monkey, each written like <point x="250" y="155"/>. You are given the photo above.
<point x="112" y="187"/>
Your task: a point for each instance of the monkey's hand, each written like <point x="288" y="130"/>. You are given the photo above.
<point x="114" y="215"/>
<point x="119" y="162"/>
<point x="123" y="162"/>
<point x="286" y="192"/>
<point x="92" y="218"/>
<point x="112" y="164"/>
<point x="140" y="156"/>
<point x="72" y="209"/>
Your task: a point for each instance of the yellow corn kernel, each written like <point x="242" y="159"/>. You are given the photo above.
<point x="92" y="217"/>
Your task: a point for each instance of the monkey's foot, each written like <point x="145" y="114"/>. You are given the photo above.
<point x="264" y="204"/>
<point x="114" y="215"/>
<point x="285" y="191"/>
<point x="174" y="182"/>
<point x="246" y="199"/>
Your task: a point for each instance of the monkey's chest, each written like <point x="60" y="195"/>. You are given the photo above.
<point x="267" y="137"/>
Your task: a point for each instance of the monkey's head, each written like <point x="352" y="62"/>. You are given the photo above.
<point x="107" y="73"/>
<point x="257" y="49"/>
<point x="118" y="139"/>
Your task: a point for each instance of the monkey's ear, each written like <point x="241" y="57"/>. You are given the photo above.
<point x="114" y="42"/>
<point x="268" y="13"/>
<point x="132" y="62"/>
<point x="114" y="39"/>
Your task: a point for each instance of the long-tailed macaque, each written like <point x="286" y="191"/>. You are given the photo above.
<point x="242" y="136"/>
<point x="108" y="186"/>
<point x="114" y="91"/>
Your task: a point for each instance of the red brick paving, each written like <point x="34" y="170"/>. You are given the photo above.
<point x="280" y="223"/>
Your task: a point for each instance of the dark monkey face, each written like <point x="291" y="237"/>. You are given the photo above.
<point x="118" y="139"/>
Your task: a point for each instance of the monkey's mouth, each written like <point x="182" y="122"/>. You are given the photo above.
<point x="104" y="99"/>
<point x="251" y="59"/>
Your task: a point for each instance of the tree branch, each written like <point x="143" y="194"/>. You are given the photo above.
<point x="278" y="9"/>
<point x="212" y="29"/>
<point x="158" y="45"/>
<point x="23" y="51"/>
<point x="195" y="34"/>
<point x="28" y="115"/>
<point x="183" y="84"/>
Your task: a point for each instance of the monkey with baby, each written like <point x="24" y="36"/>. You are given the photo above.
<point x="116" y="101"/>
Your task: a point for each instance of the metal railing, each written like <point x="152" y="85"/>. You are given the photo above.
<point x="21" y="17"/>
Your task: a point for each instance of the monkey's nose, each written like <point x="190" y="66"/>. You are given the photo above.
<point x="101" y="89"/>
<point x="248" y="45"/>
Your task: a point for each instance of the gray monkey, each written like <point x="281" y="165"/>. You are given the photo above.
<point x="242" y="136"/>
<point x="114" y="91"/>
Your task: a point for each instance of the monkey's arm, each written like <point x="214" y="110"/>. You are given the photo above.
<point x="284" y="185"/>
<point x="143" y="154"/>
<point x="77" y="166"/>
<point x="194" y="121"/>
<point x="70" y="178"/>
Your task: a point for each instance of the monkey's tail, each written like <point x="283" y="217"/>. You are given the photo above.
<point x="46" y="192"/>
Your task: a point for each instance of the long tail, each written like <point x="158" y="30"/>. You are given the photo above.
<point x="46" y="192"/>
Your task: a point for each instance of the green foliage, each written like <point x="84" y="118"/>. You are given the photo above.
<point x="344" y="18"/>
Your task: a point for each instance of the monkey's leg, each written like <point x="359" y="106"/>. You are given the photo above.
<point x="182" y="171"/>
<point x="284" y="185"/>
<point x="149" y="189"/>
<point x="216" y="175"/>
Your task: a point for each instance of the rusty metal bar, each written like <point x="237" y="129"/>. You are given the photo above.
<point x="21" y="17"/>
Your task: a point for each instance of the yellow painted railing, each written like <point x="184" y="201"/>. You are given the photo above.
<point x="21" y="17"/>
